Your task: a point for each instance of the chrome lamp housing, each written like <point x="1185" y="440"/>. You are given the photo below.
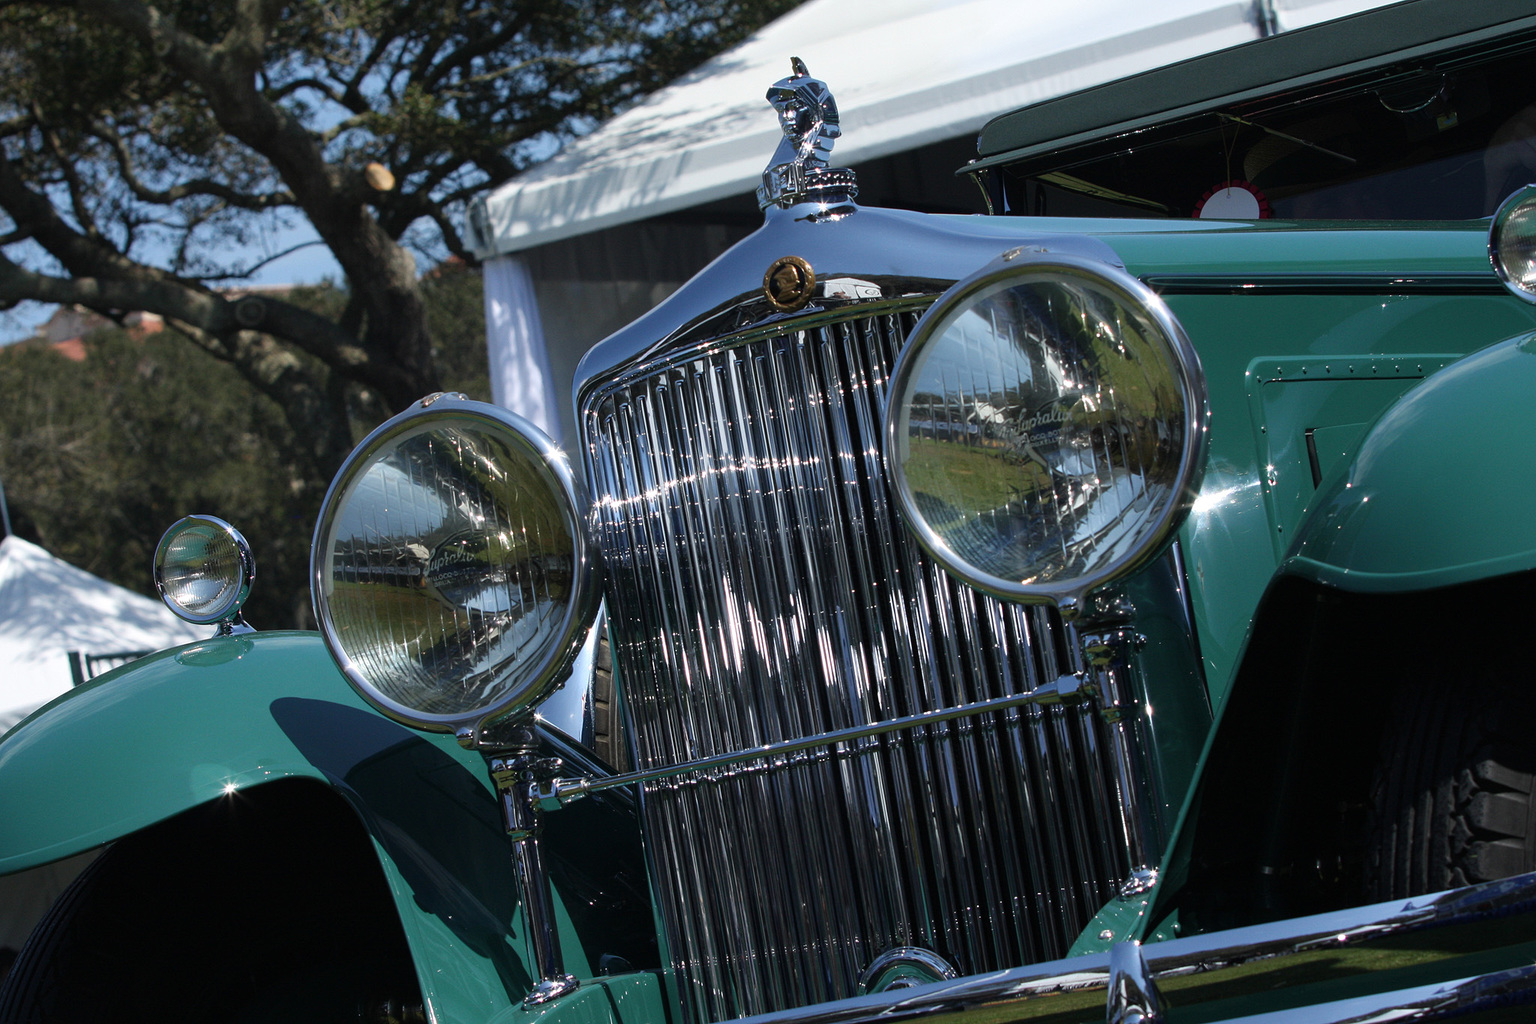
<point x="203" y="572"/>
<point x="1512" y="243"/>
<point x="451" y="571"/>
<point x="1045" y="428"/>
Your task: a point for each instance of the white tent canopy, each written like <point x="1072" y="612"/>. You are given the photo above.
<point x="49" y="608"/>
<point x="905" y="73"/>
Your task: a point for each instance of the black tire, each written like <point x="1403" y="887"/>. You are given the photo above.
<point x="29" y="992"/>
<point x="1454" y="795"/>
<point x="259" y="909"/>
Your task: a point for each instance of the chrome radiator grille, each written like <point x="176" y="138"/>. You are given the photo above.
<point x="762" y="589"/>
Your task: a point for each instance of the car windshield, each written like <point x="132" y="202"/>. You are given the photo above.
<point x="1438" y="143"/>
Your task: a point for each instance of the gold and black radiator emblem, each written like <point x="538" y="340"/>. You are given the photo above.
<point x="789" y="283"/>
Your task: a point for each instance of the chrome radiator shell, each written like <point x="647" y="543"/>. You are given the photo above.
<point x="761" y="588"/>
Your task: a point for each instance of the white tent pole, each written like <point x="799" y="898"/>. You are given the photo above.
<point x="521" y="379"/>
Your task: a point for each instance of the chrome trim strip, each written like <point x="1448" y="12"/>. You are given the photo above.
<point x="1180" y="967"/>
<point x="1452" y="283"/>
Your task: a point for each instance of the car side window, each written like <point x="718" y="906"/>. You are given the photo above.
<point x="1434" y="145"/>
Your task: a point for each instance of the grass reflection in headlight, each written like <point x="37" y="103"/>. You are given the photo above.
<point x="451" y="571"/>
<point x="1041" y="428"/>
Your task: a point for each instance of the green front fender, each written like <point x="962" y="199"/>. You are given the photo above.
<point x="152" y="739"/>
<point x="1443" y="488"/>
<point x="201" y="723"/>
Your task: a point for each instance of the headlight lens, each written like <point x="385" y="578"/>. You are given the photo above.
<point x="450" y="568"/>
<point x="1512" y="243"/>
<point x="1045" y="428"/>
<point x="204" y="570"/>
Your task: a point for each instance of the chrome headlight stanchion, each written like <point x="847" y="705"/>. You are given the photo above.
<point x="453" y="583"/>
<point x="1108" y="641"/>
<point x="518" y="772"/>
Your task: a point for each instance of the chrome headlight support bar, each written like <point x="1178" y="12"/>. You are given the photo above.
<point x="516" y="771"/>
<point x="1109" y="641"/>
<point x="1069" y="689"/>
<point x="1108" y="644"/>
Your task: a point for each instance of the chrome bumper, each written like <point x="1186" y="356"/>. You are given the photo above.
<point x="1466" y="951"/>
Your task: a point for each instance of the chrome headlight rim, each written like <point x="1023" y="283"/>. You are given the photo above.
<point x="226" y="612"/>
<point x="1522" y="200"/>
<point x="551" y="669"/>
<point x="1017" y="267"/>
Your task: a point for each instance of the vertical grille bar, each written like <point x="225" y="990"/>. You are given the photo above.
<point x="763" y="589"/>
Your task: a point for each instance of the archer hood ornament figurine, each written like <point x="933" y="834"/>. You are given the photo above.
<point x="799" y="169"/>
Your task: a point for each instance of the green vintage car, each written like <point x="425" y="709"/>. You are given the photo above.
<point x="1084" y="611"/>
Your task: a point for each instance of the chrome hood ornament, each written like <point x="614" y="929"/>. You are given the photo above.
<point x="799" y="170"/>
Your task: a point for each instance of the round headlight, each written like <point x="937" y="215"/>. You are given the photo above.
<point x="204" y="570"/>
<point x="1046" y="428"/>
<point x="450" y="569"/>
<point x="1512" y="243"/>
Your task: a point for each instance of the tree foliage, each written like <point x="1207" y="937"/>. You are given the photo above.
<point x="150" y="152"/>
<point x="100" y="456"/>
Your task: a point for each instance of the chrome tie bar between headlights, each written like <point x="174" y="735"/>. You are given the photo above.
<point x="1068" y="689"/>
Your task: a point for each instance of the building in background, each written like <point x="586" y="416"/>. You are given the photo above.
<point x="66" y="329"/>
